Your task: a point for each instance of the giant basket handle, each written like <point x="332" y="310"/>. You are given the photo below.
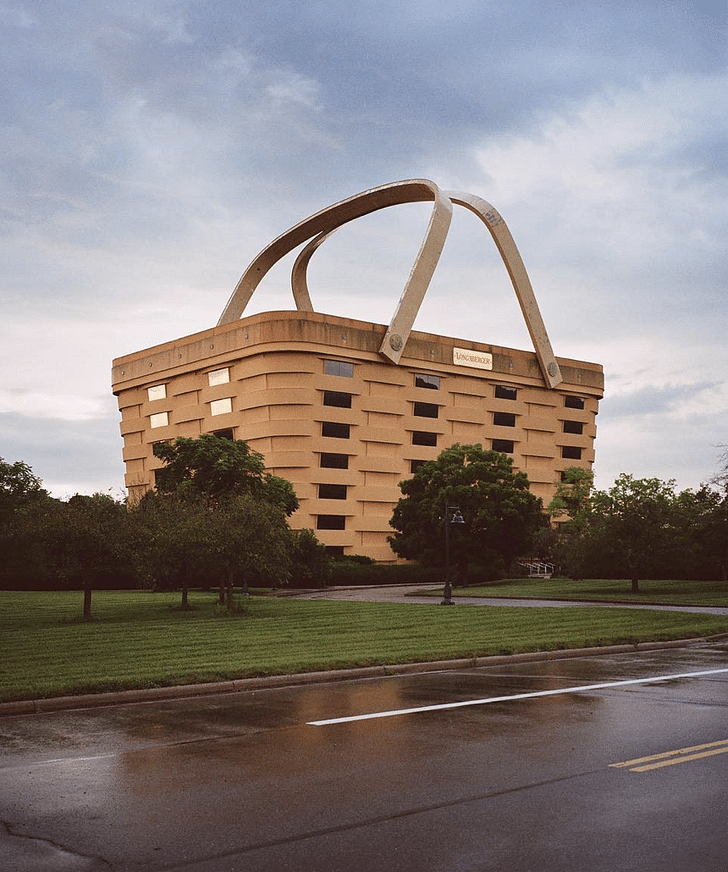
<point x="317" y="228"/>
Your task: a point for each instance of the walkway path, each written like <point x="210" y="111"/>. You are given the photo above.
<point x="408" y="594"/>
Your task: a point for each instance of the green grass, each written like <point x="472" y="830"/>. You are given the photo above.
<point x="138" y="639"/>
<point x="697" y="593"/>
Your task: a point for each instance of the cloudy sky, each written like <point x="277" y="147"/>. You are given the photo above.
<point x="150" y="149"/>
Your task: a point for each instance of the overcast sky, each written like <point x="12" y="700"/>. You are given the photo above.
<point x="150" y="149"/>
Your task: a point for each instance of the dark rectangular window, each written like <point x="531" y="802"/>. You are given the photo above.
<point x="571" y="453"/>
<point x="428" y="381"/>
<point x="415" y="465"/>
<point x="224" y="434"/>
<point x="574" y="402"/>
<point x="332" y="491"/>
<point x="338" y="399"/>
<point x="334" y="461"/>
<point x="337" y="431"/>
<point x="339" y="367"/>
<point x="504" y="419"/>
<point x="505" y="446"/>
<point x="503" y="392"/>
<point x="573" y="427"/>
<point x="335" y="550"/>
<point x="426" y="410"/>
<point x="331" y="522"/>
<point x="421" y="438"/>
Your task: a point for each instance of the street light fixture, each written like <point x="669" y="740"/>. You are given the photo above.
<point x="454" y="518"/>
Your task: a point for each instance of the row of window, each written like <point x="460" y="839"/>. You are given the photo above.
<point x="341" y="400"/>
<point x="345" y="369"/>
<point x="432" y="382"/>
<point x="331" y="460"/>
<point x="217" y="407"/>
<point x="339" y="491"/>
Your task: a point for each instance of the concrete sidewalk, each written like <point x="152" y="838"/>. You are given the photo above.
<point x="408" y="594"/>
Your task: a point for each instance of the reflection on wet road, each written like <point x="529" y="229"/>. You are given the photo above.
<point x="526" y="781"/>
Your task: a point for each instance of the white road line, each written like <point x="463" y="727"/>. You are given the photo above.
<point x="470" y="702"/>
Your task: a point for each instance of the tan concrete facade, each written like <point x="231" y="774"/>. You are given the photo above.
<point x="313" y="394"/>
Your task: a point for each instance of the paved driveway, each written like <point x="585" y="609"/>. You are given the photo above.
<point x="408" y="594"/>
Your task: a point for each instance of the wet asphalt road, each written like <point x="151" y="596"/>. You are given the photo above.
<point x="522" y="777"/>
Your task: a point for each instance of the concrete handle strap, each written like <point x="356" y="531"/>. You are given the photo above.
<point x="317" y="228"/>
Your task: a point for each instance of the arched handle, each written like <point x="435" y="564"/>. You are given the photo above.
<point x="320" y="226"/>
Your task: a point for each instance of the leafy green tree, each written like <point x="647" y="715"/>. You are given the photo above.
<point x="571" y="496"/>
<point x="168" y="538"/>
<point x="19" y="489"/>
<point x="699" y="535"/>
<point x="720" y="479"/>
<point x="630" y="528"/>
<point x="569" y="511"/>
<point x="214" y="468"/>
<point x="251" y="543"/>
<point x="501" y="514"/>
<point x="22" y="500"/>
<point x="86" y="535"/>
<point x="217" y="511"/>
<point x="312" y="566"/>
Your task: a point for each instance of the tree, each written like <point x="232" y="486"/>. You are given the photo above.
<point x="569" y="508"/>
<point x="22" y="499"/>
<point x="225" y="515"/>
<point x="720" y="479"/>
<point x="630" y="527"/>
<point x="700" y="534"/>
<point x="501" y="514"/>
<point x="168" y="539"/>
<point x="312" y="566"/>
<point x="214" y="468"/>
<point x="86" y="535"/>
<point x="571" y="496"/>
<point x="19" y="488"/>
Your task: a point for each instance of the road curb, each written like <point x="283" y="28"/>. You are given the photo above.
<point x="159" y="694"/>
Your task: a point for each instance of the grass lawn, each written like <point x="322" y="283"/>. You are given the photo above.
<point x="696" y="593"/>
<point x="137" y="639"/>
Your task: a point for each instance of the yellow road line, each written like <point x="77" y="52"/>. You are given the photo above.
<point x="670" y="758"/>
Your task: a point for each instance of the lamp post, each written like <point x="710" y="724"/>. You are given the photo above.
<point x="454" y="518"/>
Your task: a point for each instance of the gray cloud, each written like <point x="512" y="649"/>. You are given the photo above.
<point x="651" y="400"/>
<point x="149" y="150"/>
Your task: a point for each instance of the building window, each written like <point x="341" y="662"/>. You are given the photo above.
<point x="504" y="419"/>
<point x="503" y="392"/>
<point x="331" y="522"/>
<point x="227" y="433"/>
<point x="575" y="427"/>
<point x="415" y="465"/>
<point x="334" y="461"/>
<point x="158" y="392"/>
<point x="571" y="453"/>
<point x="505" y="446"/>
<point x="419" y="437"/>
<point x="339" y="367"/>
<point x="336" y="431"/>
<point x="221" y="407"/>
<point x="161" y="419"/>
<point x="574" y="402"/>
<point x="332" y="491"/>
<point x="335" y="551"/>
<point x="218" y="377"/>
<point x="426" y="410"/>
<point x="338" y="399"/>
<point x="428" y="381"/>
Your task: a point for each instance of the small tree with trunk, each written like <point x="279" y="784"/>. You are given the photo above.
<point x="501" y="515"/>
